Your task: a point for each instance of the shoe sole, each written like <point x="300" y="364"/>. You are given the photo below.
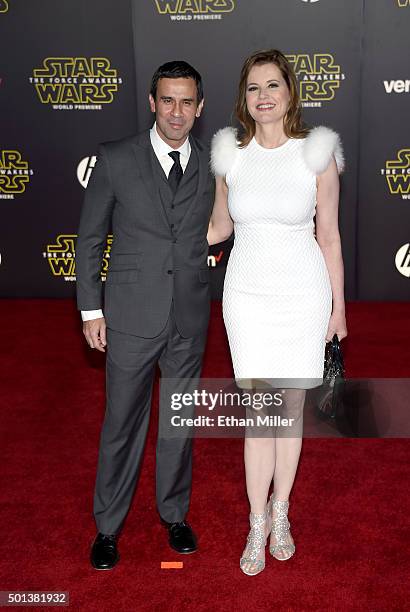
<point x="281" y="559"/>
<point x="104" y="569"/>
<point x="247" y="574"/>
<point x="184" y="552"/>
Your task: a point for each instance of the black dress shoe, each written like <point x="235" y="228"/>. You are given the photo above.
<point x="104" y="553"/>
<point x="182" y="538"/>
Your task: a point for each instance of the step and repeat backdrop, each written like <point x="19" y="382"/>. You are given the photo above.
<point x="75" y="73"/>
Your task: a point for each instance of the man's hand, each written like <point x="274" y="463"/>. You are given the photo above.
<point x="94" y="332"/>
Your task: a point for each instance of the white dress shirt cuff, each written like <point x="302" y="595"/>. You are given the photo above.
<point x="89" y="315"/>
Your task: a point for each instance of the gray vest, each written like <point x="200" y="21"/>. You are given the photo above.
<point x="174" y="206"/>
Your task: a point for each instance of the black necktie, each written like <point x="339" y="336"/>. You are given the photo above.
<point x="176" y="173"/>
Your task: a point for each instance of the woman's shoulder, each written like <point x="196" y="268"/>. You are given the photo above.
<point x="224" y="150"/>
<point x="319" y="146"/>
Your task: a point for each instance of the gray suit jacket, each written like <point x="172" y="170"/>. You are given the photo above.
<point x="151" y="263"/>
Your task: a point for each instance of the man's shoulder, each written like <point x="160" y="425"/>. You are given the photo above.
<point x="122" y="144"/>
<point x="199" y="143"/>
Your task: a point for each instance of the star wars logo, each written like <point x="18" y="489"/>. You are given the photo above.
<point x="76" y="83"/>
<point x="397" y="174"/>
<point x="14" y="174"/>
<point x="61" y="257"/>
<point x="4" y="6"/>
<point x="194" y="10"/>
<point x="319" y="77"/>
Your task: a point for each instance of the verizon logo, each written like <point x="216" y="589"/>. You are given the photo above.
<point x="397" y="86"/>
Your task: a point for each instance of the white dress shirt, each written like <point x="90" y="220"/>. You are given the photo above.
<point x="161" y="150"/>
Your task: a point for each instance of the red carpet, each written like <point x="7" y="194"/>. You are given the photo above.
<point x="349" y="507"/>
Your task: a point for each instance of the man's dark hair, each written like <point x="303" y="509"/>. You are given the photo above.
<point x="177" y="70"/>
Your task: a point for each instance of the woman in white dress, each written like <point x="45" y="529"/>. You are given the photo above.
<point x="283" y="292"/>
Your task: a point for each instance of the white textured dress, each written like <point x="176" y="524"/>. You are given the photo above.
<point x="277" y="298"/>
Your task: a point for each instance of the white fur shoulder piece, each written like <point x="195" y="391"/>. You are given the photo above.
<point x="320" y="144"/>
<point x="224" y="148"/>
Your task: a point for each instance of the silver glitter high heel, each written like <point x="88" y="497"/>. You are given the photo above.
<point x="256" y="540"/>
<point x="281" y="530"/>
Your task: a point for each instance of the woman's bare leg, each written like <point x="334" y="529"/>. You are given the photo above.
<point x="287" y="453"/>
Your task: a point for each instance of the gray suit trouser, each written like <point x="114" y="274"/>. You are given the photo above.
<point x="130" y="371"/>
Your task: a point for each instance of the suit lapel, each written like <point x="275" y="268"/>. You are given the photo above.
<point x="203" y="161"/>
<point x="158" y="169"/>
<point x="144" y="156"/>
<point x="189" y="171"/>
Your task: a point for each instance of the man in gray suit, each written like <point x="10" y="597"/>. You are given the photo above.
<point x="155" y="192"/>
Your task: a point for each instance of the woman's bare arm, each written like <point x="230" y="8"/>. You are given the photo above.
<point x="221" y="224"/>
<point x="328" y="238"/>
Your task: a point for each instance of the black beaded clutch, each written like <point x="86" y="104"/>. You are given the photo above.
<point x="329" y="403"/>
